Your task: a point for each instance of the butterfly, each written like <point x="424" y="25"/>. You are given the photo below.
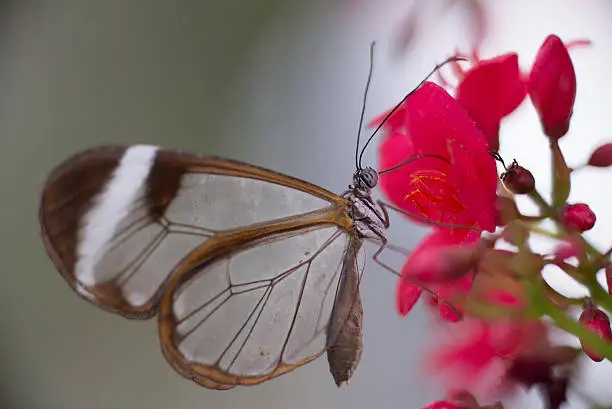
<point x="251" y="273"/>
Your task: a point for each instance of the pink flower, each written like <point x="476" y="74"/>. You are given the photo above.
<point x="478" y="355"/>
<point x="458" y="185"/>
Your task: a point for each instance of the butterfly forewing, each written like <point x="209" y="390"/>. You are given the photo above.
<point x="118" y="220"/>
<point x="257" y="310"/>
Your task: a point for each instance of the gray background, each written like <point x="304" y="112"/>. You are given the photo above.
<point x="276" y="83"/>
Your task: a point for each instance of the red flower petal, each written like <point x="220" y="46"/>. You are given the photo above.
<point x="434" y="117"/>
<point x="461" y="193"/>
<point x="394" y="122"/>
<point x="491" y="90"/>
<point x="407" y="296"/>
<point x="552" y="86"/>
<point x="424" y="187"/>
<point x="475" y="176"/>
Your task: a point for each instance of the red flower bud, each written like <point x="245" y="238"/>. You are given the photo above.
<point x="602" y="156"/>
<point x="598" y="322"/>
<point x="518" y="180"/>
<point x="578" y="217"/>
<point x="552" y="86"/>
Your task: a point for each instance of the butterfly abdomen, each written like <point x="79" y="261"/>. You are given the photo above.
<point x="344" y="333"/>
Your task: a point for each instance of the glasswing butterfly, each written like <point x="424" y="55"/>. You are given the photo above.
<point x="251" y="273"/>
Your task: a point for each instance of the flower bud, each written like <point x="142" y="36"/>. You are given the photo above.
<point x="598" y="322"/>
<point x="578" y="217"/>
<point x="602" y="156"/>
<point x="552" y="86"/>
<point x="518" y="180"/>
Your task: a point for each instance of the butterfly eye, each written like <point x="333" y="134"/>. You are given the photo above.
<point x="368" y="178"/>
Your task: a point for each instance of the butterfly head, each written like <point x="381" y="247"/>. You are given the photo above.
<point x="365" y="178"/>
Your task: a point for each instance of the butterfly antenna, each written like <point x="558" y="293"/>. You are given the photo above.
<point x="399" y="104"/>
<point x="363" y="106"/>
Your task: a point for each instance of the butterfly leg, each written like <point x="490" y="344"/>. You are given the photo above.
<point x="384" y="244"/>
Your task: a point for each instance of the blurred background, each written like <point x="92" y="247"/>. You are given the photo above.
<point x="277" y="83"/>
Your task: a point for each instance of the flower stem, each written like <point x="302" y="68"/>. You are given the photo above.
<point x="542" y="204"/>
<point x="543" y="232"/>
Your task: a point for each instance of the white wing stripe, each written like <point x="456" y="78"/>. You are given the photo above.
<point x="110" y="207"/>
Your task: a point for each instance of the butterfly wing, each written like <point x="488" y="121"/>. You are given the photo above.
<point x="257" y="306"/>
<point x="117" y="220"/>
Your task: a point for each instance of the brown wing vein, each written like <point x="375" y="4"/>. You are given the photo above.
<point x="305" y="280"/>
<point x="192" y="330"/>
<point x="130" y="270"/>
<point x="266" y="294"/>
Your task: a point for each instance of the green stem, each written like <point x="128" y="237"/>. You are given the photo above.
<point x="542" y="232"/>
<point x="568" y="324"/>
<point x="542" y="204"/>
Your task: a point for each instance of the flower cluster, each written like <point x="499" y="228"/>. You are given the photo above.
<point x="495" y="300"/>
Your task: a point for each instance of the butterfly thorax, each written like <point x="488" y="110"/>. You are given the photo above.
<point x="368" y="220"/>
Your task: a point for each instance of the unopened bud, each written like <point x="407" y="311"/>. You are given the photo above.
<point x="598" y="322"/>
<point x="578" y="217"/>
<point x="518" y="180"/>
<point x="602" y="156"/>
<point x="552" y="86"/>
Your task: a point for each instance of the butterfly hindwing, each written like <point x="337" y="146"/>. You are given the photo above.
<point x="258" y="309"/>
